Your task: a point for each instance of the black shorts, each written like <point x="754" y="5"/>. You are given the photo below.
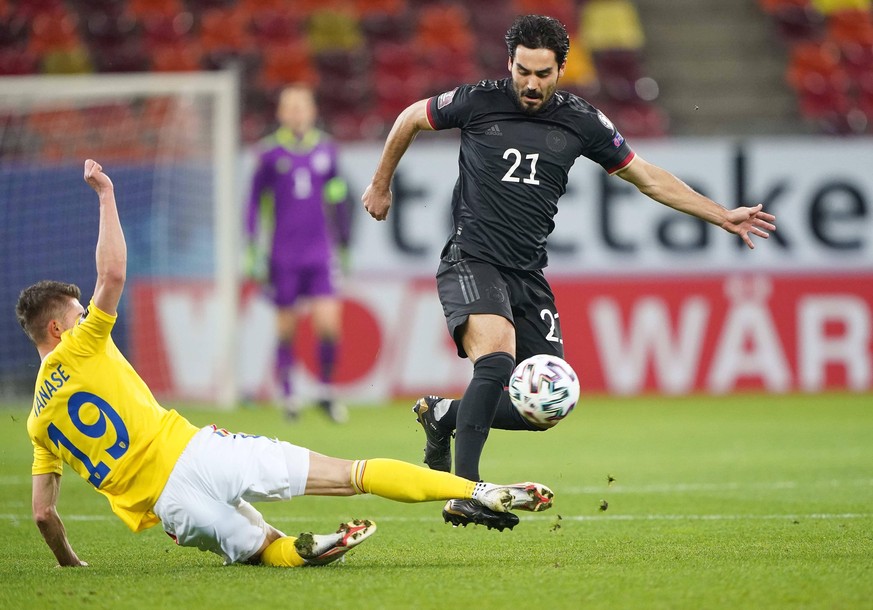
<point x="470" y="286"/>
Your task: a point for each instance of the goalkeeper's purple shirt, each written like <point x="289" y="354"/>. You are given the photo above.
<point x="297" y="203"/>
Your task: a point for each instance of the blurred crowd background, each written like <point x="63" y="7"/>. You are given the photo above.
<point x="656" y="68"/>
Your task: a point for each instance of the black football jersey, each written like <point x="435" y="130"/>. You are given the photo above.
<point x="513" y="166"/>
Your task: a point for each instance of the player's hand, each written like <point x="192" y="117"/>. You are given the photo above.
<point x="95" y="177"/>
<point x="256" y="264"/>
<point x="377" y="202"/>
<point x="746" y="221"/>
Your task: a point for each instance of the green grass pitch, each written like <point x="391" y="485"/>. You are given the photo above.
<point x="744" y="501"/>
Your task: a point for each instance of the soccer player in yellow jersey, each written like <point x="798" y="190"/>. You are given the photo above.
<point x="92" y="411"/>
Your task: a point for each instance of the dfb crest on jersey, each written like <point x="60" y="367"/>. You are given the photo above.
<point x="556" y="140"/>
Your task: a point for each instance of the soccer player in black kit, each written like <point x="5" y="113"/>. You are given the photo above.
<point x="519" y="138"/>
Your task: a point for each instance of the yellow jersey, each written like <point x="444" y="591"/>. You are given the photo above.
<point x="94" y="412"/>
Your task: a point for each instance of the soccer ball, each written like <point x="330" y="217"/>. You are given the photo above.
<point x="544" y="389"/>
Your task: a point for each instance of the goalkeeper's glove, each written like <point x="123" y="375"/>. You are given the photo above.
<point x="256" y="264"/>
<point x="345" y="260"/>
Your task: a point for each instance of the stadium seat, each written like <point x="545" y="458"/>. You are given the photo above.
<point x="224" y="30"/>
<point x="822" y="86"/>
<point x="202" y="6"/>
<point x="398" y="60"/>
<point x="618" y="70"/>
<point x="380" y="7"/>
<point x="308" y="8"/>
<point x="610" y="25"/>
<point x="275" y="25"/>
<point x="252" y="7"/>
<point x="827" y="7"/>
<point x="66" y="61"/>
<point x="865" y="99"/>
<point x="329" y="29"/>
<point x="225" y="39"/>
<point x="850" y="26"/>
<point x="798" y="23"/>
<point x="394" y="92"/>
<point x="828" y="110"/>
<point x="771" y="6"/>
<point x="821" y="100"/>
<point x="345" y="83"/>
<point x="54" y="30"/>
<point x="348" y="127"/>
<point x="815" y="67"/>
<point x="31" y="8"/>
<point x="857" y="59"/>
<point x="13" y="29"/>
<point x="108" y="9"/>
<point x="640" y="120"/>
<point x="18" y="61"/>
<point x="489" y="21"/>
<point x="176" y="57"/>
<point x="161" y="29"/>
<point x="89" y="7"/>
<point x="342" y="63"/>
<point x="444" y="28"/>
<point x="152" y="7"/>
<point x="581" y="71"/>
<point x="379" y="27"/>
<point x="831" y="54"/>
<point x="109" y="27"/>
<point x="123" y="56"/>
<point x="284" y="63"/>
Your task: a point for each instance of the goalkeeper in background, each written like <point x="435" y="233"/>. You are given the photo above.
<point x="298" y="209"/>
<point x="92" y="411"/>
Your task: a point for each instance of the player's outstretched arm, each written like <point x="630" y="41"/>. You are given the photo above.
<point x="46" y="488"/>
<point x="663" y="187"/>
<point x="377" y="196"/>
<point x="111" y="248"/>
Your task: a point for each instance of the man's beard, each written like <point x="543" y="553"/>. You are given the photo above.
<point x="520" y="99"/>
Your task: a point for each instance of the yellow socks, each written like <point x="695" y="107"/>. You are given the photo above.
<point x="406" y="482"/>
<point x="282" y="553"/>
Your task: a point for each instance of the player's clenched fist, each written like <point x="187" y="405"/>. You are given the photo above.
<point x="95" y="177"/>
<point x="376" y="203"/>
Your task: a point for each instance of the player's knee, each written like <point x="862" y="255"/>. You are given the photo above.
<point x="496" y="366"/>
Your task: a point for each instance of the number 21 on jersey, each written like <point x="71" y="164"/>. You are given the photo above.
<point x="516" y="155"/>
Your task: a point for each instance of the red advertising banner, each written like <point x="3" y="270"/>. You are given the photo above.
<point x="628" y="335"/>
<point x="719" y="334"/>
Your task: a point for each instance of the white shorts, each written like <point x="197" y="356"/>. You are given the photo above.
<point x="206" y="500"/>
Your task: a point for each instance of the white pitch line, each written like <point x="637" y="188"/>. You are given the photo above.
<point x="620" y="488"/>
<point x="553" y="516"/>
<point x="787" y="517"/>
<point x="710" y="487"/>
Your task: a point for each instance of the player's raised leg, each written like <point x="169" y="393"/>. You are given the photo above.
<point x="404" y="482"/>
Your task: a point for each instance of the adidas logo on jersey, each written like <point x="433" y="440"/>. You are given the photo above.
<point x="494" y="130"/>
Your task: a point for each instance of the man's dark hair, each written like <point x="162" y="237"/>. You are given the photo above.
<point x="40" y="303"/>
<point x="538" y="32"/>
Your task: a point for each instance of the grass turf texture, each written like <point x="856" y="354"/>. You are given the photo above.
<point x="746" y="501"/>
